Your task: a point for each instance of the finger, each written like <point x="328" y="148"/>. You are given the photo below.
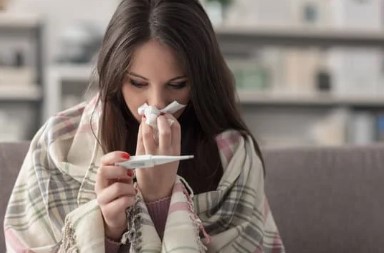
<point x="114" y="172"/>
<point x="115" y="191"/>
<point x="175" y="131"/>
<point x="165" y="135"/>
<point x="118" y="206"/>
<point x="148" y="140"/>
<point x="113" y="157"/>
<point x="129" y="180"/>
<point x="107" y="173"/>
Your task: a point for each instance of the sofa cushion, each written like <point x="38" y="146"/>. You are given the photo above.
<point x="328" y="199"/>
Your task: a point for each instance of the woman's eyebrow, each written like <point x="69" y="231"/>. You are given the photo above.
<point x="137" y="75"/>
<point x="142" y="77"/>
<point x="177" y="78"/>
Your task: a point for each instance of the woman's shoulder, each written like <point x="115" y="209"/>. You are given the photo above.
<point x="69" y="117"/>
<point x="229" y="142"/>
<point x="237" y="144"/>
<point x="230" y="139"/>
<point x="62" y="124"/>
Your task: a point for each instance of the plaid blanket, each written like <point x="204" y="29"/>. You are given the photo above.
<point x="53" y="208"/>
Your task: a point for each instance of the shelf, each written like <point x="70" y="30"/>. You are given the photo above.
<point x="27" y="28"/>
<point x="82" y="73"/>
<point x="315" y="99"/>
<point x="72" y="72"/>
<point x="20" y="93"/>
<point x="252" y="36"/>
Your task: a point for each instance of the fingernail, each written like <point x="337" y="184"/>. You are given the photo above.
<point x="125" y="155"/>
<point x="130" y="173"/>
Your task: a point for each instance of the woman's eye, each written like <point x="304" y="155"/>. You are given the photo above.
<point x="178" y="85"/>
<point x="137" y="83"/>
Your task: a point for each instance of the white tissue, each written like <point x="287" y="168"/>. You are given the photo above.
<point x="151" y="113"/>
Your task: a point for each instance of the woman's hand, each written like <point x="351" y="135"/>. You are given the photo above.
<point x="156" y="183"/>
<point x="115" y="193"/>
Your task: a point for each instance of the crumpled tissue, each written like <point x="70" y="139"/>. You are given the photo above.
<point x="151" y="112"/>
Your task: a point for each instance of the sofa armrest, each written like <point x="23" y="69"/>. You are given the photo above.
<point x="11" y="158"/>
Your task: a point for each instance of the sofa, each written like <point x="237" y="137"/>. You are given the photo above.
<point x="324" y="199"/>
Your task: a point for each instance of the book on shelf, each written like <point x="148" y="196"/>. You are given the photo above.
<point x="267" y="13"/>
<point x="250" y="74"/>
<point x="300" y="69"/>
<point x="331" y="129"/>
<point x="338" y="14"/>
<point x="357" y="14"/>
<point x="357" y="71"/>
<point x="380" y="126"/>
<point x="361" y="128"/>
<point x="338" y="127"/>
<point x="343" y="72"/>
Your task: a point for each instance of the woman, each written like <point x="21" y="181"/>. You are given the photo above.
<point x="72" y="196"/>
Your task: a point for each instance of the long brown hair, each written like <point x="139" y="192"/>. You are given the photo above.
<point x="184" y="26"/>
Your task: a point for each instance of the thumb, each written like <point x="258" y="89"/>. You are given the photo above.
<point x="140" y="150"/>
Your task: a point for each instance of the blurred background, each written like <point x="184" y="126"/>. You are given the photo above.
<point x="308" y="72"/>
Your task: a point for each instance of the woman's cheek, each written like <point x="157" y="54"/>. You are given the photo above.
<point x="138" y="117"/>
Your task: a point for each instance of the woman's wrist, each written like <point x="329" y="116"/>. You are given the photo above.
<point x="153" y="195"/>
<point x="153" y="189"/>
<point x="115" y="234"/>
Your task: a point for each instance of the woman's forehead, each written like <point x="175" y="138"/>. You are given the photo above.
<point x="156" y="60"/>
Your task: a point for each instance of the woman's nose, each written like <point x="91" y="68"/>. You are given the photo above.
<point x="157" y="99"/>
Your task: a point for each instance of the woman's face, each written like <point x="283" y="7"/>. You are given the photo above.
<point x="155" y="77"/>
